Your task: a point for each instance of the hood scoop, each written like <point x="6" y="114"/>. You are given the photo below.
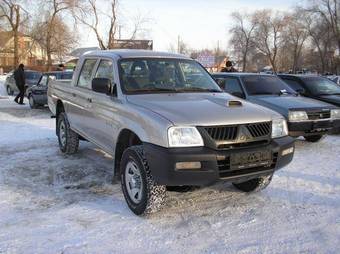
<point x="234" y="103"/>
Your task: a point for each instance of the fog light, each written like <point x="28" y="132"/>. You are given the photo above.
<point x="188" y="165"/>
<point x="287" y="151"/>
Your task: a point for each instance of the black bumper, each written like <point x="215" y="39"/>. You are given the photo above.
<point x="162" y="163"/>
<point x="312" y="127"/>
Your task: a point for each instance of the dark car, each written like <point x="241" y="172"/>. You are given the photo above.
<point x="31" y="77"/>
<point x="306" y="117"/>
<point x="315" y="87"/>
<point x="37" y="94"/>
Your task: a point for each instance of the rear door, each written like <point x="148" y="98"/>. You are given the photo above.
<point x="79" y="104"/>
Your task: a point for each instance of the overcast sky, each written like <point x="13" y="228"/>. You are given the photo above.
<point x="199" y="23"/>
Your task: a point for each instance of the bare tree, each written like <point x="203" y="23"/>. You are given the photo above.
<point x="51" y="23"/>
<point x="90" y="15"/>
<point x="11" y="12"/>
<point x="294" y="35"/>
<point x="242" y="35"/>
<point x="268" y="34"/>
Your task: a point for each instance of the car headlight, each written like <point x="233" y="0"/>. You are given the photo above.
<point x="184" y="137"/>
<point x="335" y="113"/>
<point x="297" y="116"/>
<point x="279" y="128"/>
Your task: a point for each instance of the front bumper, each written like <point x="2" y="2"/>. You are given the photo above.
<point x="162" y="163"/>
<point x="309" y="128"/>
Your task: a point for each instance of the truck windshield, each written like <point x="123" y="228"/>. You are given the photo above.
<point x="321" y="86"/>
<point x="152" y="75"/>
<point x="262" y="85"/>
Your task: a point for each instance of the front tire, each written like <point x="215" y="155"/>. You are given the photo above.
<point x="313" y="139"/>
<point x="32" y="102"/>
<point x="142" y="194"/>
<point x="254" y="185"/>
<point x="68" y="139"/>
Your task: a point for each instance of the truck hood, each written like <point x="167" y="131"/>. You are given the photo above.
<point x="282" y="104"/>
<point x="334" y="99"/>
<point x="202" y="109"/>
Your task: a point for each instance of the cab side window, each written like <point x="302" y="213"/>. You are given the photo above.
<point x="105" y="70"/>
<point x="233" y="86"/>
<point x="86" y="73"/>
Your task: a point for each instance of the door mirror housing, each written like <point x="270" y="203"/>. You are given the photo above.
<point x="301" y="91"/>
<point x="102" y="85"/>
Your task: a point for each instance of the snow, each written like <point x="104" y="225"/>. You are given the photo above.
<point x="52" y="203"/>
<point x="2" y="87"/>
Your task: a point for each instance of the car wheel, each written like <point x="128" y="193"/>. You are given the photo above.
<point x="68" y="139"/>
<point x="314" y="138"/>
<point x="9" y="90"/>
<point x="142" y="194"/>
<point x="31" y="101"/>
<point x="254" y="185"/>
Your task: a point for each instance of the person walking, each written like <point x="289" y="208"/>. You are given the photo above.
<point x="228" y="67"/>
<point x="19" y="77"/>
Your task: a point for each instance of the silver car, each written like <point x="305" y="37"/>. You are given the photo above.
<point x="31" y="78"/>
<point x="166" y="123"/>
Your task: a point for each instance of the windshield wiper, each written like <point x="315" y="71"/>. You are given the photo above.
<point x="199" y="89"/>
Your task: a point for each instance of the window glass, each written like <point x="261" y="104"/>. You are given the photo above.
<point x="321" y="86"/>
<point x="153" y="75"/>
<point x="105" y="70"/>
<point x="262" y="85"/>
<point x="86" y="73"/>
<point x="67" y="75"/>
<point x="232" y="86"/>
<point x="293" y="84"/>
<point x="43" y="81"/>
<point x="32" y="75"/>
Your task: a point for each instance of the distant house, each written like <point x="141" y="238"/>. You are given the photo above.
<point x="30" y="52"/>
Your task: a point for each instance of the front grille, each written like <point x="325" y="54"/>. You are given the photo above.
<point x="259" y="129"/>
<point x="225" y="170"/>
<point x="317" y="115"/>
<point x="219" y="133"/>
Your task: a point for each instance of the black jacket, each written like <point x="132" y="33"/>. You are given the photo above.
<point x="19" y="77"/>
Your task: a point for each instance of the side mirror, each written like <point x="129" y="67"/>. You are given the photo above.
<point x="102" y="85"/>
<point x="300" y="91"/>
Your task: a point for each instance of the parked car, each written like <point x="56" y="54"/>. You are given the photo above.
<point x="37" y="94"/>
<point x="315" y="87"/>
<point x="32" y="77"/>
<point x="306" y="117"/>
<point x="165" y="126"/>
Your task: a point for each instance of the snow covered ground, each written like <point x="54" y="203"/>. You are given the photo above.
<point x="52" y="203"/>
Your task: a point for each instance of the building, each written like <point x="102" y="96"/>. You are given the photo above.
<point x="30" y="52"/>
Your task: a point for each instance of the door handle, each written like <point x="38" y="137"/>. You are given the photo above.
<point x="89" y="100"/>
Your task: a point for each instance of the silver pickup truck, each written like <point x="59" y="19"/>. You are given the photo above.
<point x="166" y="123"/>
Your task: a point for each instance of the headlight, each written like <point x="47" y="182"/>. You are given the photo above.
<point x="184" y="137"/>
<point x="335" y="113"/>
<point x="279" y="128"/>
<point x="297" y="116"/>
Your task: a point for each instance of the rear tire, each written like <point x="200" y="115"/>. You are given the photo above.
<point x="9" y="90"/>
<point x="142" y="194"/>
<point x="68" y="139"/>
<point x="313" y="139"/>
<point x="254" y="185"/>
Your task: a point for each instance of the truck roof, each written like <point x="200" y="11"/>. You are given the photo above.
<point x="240" y="74"/>
<point x="131" y="53"/>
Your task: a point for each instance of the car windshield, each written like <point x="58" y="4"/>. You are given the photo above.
<point x="263" y="85"/>
<point x="66" y="75"/>
<point x="32" y="75"/>
<point x="153" y="75"/>
<point x="321" y="86"/>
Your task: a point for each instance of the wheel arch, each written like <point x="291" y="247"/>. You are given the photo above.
<point x="125" y="139"/>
